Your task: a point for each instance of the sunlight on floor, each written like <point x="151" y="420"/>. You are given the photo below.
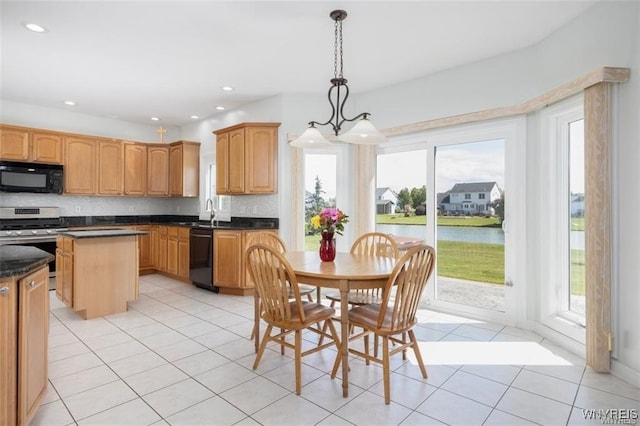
<point x="488" y="353"/>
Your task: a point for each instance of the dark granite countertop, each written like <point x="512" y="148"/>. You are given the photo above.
<point x="171" y="220"/>
<point x="101" y="233"/>
<point x="17" y="260"/>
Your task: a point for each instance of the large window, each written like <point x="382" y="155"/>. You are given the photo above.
<point x="562" y="234"/>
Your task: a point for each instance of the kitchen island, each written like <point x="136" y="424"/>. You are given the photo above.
<point x="24" y="331"/>
<point x="97" y="273"/>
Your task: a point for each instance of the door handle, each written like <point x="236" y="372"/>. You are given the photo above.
<point x="4" y="290"/>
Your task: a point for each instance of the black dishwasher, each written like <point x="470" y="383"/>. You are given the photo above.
<point x="201" y="258"/>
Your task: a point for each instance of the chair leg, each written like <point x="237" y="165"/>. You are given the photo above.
<point x="298" y="361"/>
<point x="416" y="350"/>
<point x="263" y="345"/>
<point x="386" y="369"/>
<point x="324" y="327"/>
<point x="309" y="297"/>
<point x="282" y="339"/>
<point x="366" y="348"/>
<point x="336" y="339"/>
<point x="404" y="352"/>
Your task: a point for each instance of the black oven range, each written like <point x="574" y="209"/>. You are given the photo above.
<point x="31" y="226"/>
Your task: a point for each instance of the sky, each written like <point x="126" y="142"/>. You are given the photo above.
<point x="466" y="162"/>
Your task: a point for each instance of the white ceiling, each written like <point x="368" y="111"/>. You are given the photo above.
<point x="169" y="59"/>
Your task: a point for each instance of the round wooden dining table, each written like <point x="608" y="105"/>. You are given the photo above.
<point x="347" y="272"/>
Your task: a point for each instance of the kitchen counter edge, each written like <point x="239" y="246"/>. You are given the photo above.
<point x="17" y="260"/>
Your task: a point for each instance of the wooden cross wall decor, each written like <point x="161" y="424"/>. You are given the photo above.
<point x="161" y="132"/>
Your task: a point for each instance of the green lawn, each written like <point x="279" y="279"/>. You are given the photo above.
<point x="398" y="219"/>
<point x="474" y="261"/>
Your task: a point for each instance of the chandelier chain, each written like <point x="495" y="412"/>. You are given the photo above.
<point x="340" y="43"/>
<point x="335" y="50"/>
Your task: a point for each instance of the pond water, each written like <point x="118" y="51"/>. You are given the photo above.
<point x="465" y="234"/>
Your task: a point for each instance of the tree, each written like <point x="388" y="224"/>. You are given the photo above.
<point x="314" y="202"/>
<point x="418" y="196"/>
<point x="498" y="207"/>
<point x="404" y="199"/>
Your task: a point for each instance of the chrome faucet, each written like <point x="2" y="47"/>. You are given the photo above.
<point x="209" y="207"/>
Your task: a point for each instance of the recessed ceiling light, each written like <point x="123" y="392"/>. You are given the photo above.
<point x="34" y="27"/>
<point x="155" y="119"/>
<point x="227" y="88"/>
<point x="71" y="103"/>
<point x="195" y="117"/>
<point x="220" y="108"/>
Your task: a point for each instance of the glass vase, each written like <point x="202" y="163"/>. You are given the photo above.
<point x="327" y="247"/>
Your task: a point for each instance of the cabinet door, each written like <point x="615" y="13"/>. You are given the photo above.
<point x="172" y="249"/>
<point x="59" y="271"/>
<point x="183" y="252"/>
<point x="190" y="169"/>
<point x="9" y="345"/>
<point x="80" y="165"/>
<point x="153" y="246"/>
<point x="175" y="171"/>
<point x="158" y="170"/>
<point x="14" y="144"/>
<point x="227" y="254"/>
<point x="222" y="163"/>
<point x="236" y="161"/>
<point x="46" y="148"/>
<point x="162" y="248"/>
<point x="135" y="169"/>
<point x="261" y="160"/>
<point x="144" y="248"/>
<point x="33" y="342"/>
<point x="110" y="166"/>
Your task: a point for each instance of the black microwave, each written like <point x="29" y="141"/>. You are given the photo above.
<point x="30" y="177"/>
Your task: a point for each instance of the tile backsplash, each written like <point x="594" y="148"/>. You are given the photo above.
<point x="95" y="206"/>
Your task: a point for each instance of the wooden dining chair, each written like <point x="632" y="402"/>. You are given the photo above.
<point x="272" y="240"/>
<point x="393" y="319"/>
<point x="368" y="244"/>
<point x="273" y="278"/>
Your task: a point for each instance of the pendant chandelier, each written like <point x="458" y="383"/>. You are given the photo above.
<point x="363" y="132"/>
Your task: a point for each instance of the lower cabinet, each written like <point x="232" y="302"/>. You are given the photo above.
<point x="24" y="332"/>
<point x="230" y="273"/>
<point x="145" y="261"/>
<point x="172" y="251"/>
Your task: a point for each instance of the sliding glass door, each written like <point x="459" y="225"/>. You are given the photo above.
<point x="457" y="190"/>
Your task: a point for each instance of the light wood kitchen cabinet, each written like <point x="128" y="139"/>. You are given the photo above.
<point x="64" y="270"/>
<point x="178" y="251"/>
<point x="110" y="167"/>
<point x="247" y="159"/>
<point x="162" y="249"/>
<point x="103" y="273"/>
<point x="227" y="259"/>
<point x="145" y="263"/>
<point x="184" y="169"/>
<point x="14" y="144"/>
<point x="135" y="169"/>
<point x="46" y="148"/>
<point x="158" y="170"/>
<point x="26" y="145"/>
<point x="153" y="245"/>
<point x="24" y="332"/>
<point x="80" y="165"/>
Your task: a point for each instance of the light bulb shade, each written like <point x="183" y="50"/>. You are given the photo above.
<point x="363" y="133"/>
<point x="310" y="138"/>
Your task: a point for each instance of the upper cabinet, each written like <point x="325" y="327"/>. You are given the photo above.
<point x="247" y="159"/>
<point x="110" y="168"/>
<point x="101" y="166"/>
<point x="184" y="169"/>
<point x="135" y="168"/>
<point x="22" y="144"/>
<point x="158" y="170"/>
<point x="80" y="165"/>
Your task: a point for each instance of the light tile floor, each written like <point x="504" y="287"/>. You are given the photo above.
<point x="182" y="356"/>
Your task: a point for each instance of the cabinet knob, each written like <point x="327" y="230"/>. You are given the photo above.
<point x="32" y="284"/>
<point x="4" y="290"/>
